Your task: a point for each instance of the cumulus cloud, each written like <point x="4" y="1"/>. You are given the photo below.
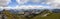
<point x="32" y="7"/>
<point x="4" y="2"/>
<point x="28" y="7"/>
<point x="1" y="8"/>
<point x="54" y="3"/>
<point x="22" y="1"/>
<point x="36" y="1"/>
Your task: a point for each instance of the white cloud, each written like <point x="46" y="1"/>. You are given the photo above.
<point x="22" y="1"/>
<point x="4" y="2"/>
<point x="54" y="3"/>
<point x="1" y="7"/>
<point x="33" y="7"/>
<point x="36" y="1"/>
<point x="28" y="7"/>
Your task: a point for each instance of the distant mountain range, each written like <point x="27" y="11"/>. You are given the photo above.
<point x="56" y="10"/>
<point x="36" y="10"/>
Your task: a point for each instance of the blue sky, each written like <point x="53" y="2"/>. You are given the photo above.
<point x="14" y="3"/>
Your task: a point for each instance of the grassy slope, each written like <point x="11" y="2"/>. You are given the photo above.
<point x="52" y="16"/>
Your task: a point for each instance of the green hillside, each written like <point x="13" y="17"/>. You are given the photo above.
<point x="49" y="16"/>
